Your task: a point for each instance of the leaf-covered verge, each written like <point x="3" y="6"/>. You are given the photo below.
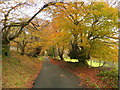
<point x="19" y="71"/>
<point x="103" y="77"/>
<point x="0" y="73"/>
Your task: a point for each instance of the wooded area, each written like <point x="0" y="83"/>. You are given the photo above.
<point x="84" y="31"/>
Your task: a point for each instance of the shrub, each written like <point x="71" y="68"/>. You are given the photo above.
<point x="111" y="73"/>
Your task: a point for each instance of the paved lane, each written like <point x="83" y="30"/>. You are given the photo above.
<point x="52" y="76"/>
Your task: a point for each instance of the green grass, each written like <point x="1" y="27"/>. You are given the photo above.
<point x="94" y="63"/>
<point x="70" y="60"/>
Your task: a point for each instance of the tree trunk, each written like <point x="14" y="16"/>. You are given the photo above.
<point x="60" y="53"/>
<point x="91" y="62"/>
<point x="83" y="62"/>
<point x="79" y="53"/>
<point x="61" y="56"/>
<point x="51" y="52"/>
<point x="22" y="51"/>
<point x="55" y="52"/>
<point x="99" y="63"/>
<point x="6" y="49"/>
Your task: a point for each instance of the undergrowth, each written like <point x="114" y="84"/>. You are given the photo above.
<point x="109" y="77"/>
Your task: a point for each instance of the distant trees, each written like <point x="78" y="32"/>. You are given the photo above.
<point x="22" y="42"/>
<point x="28" y="42"/>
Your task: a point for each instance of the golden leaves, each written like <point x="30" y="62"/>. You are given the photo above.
<point x="59" y="4"/>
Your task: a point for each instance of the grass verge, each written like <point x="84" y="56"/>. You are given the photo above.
<point x="19" y="71"/>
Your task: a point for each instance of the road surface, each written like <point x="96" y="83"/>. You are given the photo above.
<point x="52" y="76"/>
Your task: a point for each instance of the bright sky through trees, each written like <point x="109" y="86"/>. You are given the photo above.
<point x="34" y="5"/>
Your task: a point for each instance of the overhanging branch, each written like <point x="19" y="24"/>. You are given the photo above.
<point x="23" y="24"/>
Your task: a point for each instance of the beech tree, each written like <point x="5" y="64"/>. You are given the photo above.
<point x="91" y="27"/>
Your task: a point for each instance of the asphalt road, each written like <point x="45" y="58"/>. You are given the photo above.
<point x="52" y="76"/>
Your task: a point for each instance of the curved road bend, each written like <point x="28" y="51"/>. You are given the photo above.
<point x="52" y="76"/>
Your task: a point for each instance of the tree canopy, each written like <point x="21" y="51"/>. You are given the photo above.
<point x="84" y="30"/>
<point x="88" y="30"/>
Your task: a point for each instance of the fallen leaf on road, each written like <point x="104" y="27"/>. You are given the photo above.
<point x="61" y="75"/>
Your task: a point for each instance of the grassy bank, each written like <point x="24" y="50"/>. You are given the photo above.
<point x="19" y="71"/>
<point x="93" y="63"/>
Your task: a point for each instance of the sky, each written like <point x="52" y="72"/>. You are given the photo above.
<point x="32" y="8"/>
